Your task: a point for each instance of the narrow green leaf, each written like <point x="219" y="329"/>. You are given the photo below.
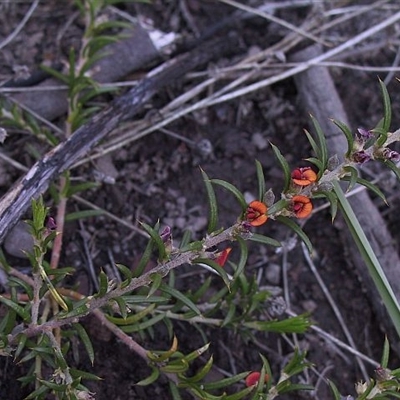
<point x="226" y="382"/>
<point x="202" y="373"/>
<point x="229" y="315"/>
<point x="132" y="319"/>
<point x="385" y="353"/>
<point x="13" y="281"/>
<point x="57" y="387"/>
<point x="156" y="280"/>
<point x="197" y="353"/>
<point x="392" y="166"/>
<point x="352" y="179"/>
<point x="313" y="144"/>
<point x="57" y="74"/>
<point x="76" y="312"/>
<point x="212" y="202"/>
<point x="77" y="373"/>
<point x="371" y="187"/>
<point x="285" y="168"/>
<point x="180" y="296"/>
<point x="21" y="345"/>
<point x="241" y="394"/>
<point x="24" y="314"/>
<point x="155" y="373"/>
<point x="348" y="134"/>
<point x="77" y="215"/>
<point x="298" y="324"/>
<point x="161" y="356"/>
<point x="231" y="188"/>
<point x="295" y="387"/>
<point x="123" y="308"/>
<point x="256" y="237"/>
<point x="176" y="367"/>
<point x="211" y="263"/>
<point x="244" y="252"/>
<point x="267" y="368"/>
<point x="296" y="228"/>
<point x="86" y="341"/>
<point x="143" y="325"/>
<point x="140" y="299"/>
<point x="38" y="393"/>
<point x="126" y="272"/>
<point x="333" y="203"/>
<point x="318" y="163"/>
<point x="387" y="114"/>
<point x="138" y="271"/>
<point x="323" y="150"/>
<point x="278" y="206"/>
<point x="103" y="284"/>
<point x="334" y="390"/>
<point x="162" y="255"/>
<point x="260" y="180"/>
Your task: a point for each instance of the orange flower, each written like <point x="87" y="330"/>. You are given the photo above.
<point x="256" y="213"/>
<point x="304" y="176"/>
<point x="253" y="378"/>
<point x="223" y="256"/>
<point x="302" y="206"/>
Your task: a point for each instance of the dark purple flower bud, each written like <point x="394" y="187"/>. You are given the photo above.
<point x="166" y="237"/>
<point x="51" y="224"/>
<point x="166" y="234"/>
<point x="383" y="374"/>
<point x="364" y="134"/>
<point x="391" y="155"/>
<point x="361" y="157"/>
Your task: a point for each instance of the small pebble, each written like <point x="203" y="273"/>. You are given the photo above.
<point x="19" y="241"/>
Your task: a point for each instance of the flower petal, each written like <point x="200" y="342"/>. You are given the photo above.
<point x="302" y="206"/>
<point x="304" y="176"/>
<point x="253" y="378"/>
<point x="256" y="213"/>
<point x="222" y="257"/>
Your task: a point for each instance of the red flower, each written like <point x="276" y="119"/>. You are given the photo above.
<point x="223" y="256"/>
<point x="253" y="378"/>
<point x="304" y="176"/>
<point x="301" y="206"/>
<point x="256" y="213"/>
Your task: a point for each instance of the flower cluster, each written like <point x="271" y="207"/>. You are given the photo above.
<point x="363" y="152"/>
<point x="300" y="206"/>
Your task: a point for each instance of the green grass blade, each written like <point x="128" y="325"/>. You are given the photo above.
<point x="367" y="253"/>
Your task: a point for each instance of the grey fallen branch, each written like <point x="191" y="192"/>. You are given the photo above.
<point x="15" y="202"/>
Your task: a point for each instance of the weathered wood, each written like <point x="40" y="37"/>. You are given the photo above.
<point x="319" y="97"/>
<point x="38" y="178"/>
